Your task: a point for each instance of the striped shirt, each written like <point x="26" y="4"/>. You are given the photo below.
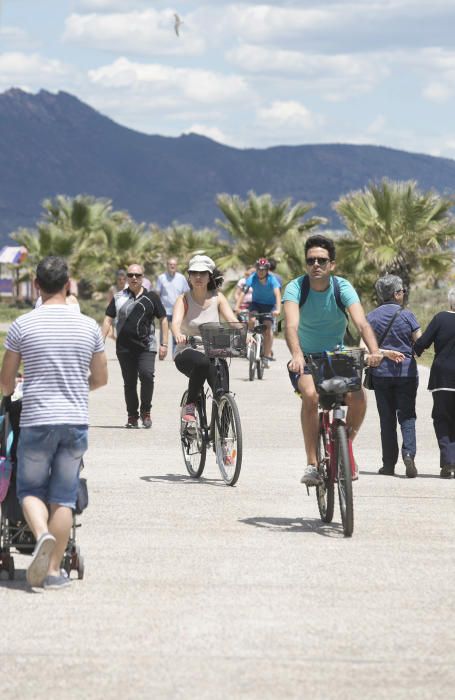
<point x="56" y="346"/>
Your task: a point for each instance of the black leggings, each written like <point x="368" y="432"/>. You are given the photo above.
<point x="198" y="368"/>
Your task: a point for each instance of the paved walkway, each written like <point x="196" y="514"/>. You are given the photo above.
<point x="197" y="590"/>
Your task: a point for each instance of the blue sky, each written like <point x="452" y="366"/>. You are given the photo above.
<point x="248" y="74"/>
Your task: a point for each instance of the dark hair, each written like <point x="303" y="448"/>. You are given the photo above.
<point x="272" y="263"/>
<point x="52" y="274"/>
<point x="319" y="241"/>
<point x="216" y="279"/>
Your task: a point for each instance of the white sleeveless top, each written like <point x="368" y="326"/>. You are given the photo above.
<point x="195" y="315"/>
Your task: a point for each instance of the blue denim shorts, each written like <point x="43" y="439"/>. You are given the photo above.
<point x="48" y="462"/>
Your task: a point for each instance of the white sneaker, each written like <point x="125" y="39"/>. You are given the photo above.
<point x="311" y="476"/>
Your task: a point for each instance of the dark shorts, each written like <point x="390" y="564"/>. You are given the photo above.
<point x="262" y="309"/>
<point x="294" y="377"/>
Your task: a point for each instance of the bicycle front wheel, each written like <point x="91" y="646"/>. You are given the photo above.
<point x="325" y="492"/>
<point x="344" y="481"/>
<point x="194" y="448"/>
<point x="228" y="439"/>
<point x="252" y="363"/>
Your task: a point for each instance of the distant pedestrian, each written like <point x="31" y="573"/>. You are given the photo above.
<point x="170" y="285"/>
<point x="134" y="310"/>
<point x="395" y="380"/>
<point x="441" y="333"/>
<point x="273" y="265"/>
<point x="63" y="357"/>
<point x="240" y="290"/>
<point x="120" y="284"/>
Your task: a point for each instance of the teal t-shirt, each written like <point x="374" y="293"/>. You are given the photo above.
<point x="322" y="324"/>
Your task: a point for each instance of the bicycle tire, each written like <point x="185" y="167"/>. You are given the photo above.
<point x="325" y="493"/>
<point x="260" y="363"/>
<point x="344" y="481"/>
<point x="252" y="363"/>
<point x="194" y="448"/>
<point x="228" y="439"/>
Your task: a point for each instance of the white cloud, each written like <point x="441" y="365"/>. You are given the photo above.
<point x="337" y="76"/>
<point x="148" y="32"/>
<point x="288" y="114"/>
<point x="212" y="132"/>
<point x="31" y="71"/>
<point x="107" y="5"/>
<point x="437" y="92"/>
<point x="187" y="84"/>
<point x="377" y="125"/>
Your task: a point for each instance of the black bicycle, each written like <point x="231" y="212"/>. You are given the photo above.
<point x="223" y="431"/>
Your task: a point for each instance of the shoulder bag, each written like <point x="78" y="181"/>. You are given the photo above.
<point x="367" y="376"/>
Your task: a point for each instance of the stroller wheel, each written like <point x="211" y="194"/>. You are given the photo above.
<point x="67" y="564"/>
<point x="11" y="569"/>
<point x="80" y="567"/>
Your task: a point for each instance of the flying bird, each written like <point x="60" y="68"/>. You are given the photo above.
<point x="177" y="23"/>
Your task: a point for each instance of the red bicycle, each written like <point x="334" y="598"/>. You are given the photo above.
<point x="335" y="374"/>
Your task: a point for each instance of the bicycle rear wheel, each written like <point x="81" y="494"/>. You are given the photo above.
<point x="228" y="439"/>
<point x="251" y="362"/>
<point x="344" y="481"/>
<point x="325" y="493"/>
<point x="194" y="448"/>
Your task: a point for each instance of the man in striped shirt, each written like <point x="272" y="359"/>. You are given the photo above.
<point x="63" y="357"/>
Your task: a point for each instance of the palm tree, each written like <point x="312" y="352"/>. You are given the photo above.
<point x="397" y="229"/>
<point x="259" y="225"/>
<point x="182" y="241"/>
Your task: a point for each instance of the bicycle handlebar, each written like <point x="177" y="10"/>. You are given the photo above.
<point x="194" y="340"/>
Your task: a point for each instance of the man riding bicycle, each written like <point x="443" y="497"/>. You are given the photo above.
<point x="315" y="307"/>
<point x="266" y="299"/>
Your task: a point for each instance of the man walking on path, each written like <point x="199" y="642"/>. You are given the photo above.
<point x="63" y="356"/>
<point x="170" y="285"/>
<point x="134" y="310"/>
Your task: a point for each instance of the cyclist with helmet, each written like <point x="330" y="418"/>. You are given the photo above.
<point x="266" y="299"/>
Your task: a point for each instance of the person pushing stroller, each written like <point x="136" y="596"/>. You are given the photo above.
<point x="59" y="350"/>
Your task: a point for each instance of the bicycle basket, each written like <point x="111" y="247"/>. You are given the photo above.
<point x="347" y="364"/>
<point x="224" y="339"/>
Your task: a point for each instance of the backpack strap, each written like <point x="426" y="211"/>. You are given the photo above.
<point x="305" y="290"/>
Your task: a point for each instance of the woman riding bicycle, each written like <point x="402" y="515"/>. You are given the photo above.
<point x="266" y="300"/>
<point x="202" y="304"/>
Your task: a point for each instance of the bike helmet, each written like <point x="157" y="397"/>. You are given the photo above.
<point x="262" y="264"/>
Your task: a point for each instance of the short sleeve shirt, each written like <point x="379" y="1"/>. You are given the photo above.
<point x="322" y="323"/>
<point x="169" y="287"/>
<point x="56" y="346"/>
<point x="398" y="338"/>
<point x="134" y="319"/>
<point x="263" y="293"/>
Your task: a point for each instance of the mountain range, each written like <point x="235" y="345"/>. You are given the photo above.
<point x="55" y="144"/>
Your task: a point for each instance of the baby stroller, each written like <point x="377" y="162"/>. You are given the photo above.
<point x="14" y="531"/>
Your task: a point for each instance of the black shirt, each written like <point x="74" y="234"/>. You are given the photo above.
<point x="134" y="319"/>
<point x="441" y="332"/>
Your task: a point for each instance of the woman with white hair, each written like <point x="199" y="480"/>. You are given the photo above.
<point x="441" y="333"/>
<point x="395" y="381"/>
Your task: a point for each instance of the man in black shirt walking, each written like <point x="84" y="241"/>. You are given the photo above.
<point x="134" y="310"/>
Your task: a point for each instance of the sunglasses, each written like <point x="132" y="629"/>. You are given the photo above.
<point x="404" y="290"/>
<point x="322" y="262"/>
<point x="133" y="274"/>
